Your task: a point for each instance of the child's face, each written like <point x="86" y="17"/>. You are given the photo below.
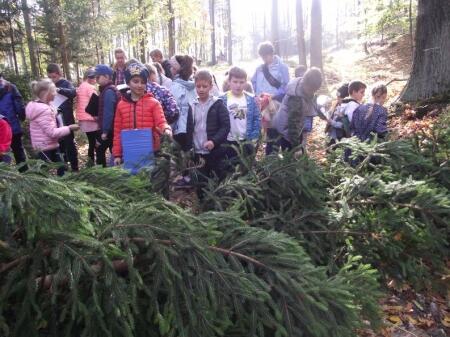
<point x="49" y="95"/>
<point x="237" y="85"/>
<point x="120" y="59"/>
<point x="137" y="86"/>
<point x="102" y="80"/>
<point x="153" y="77"/>
<point x="358" y="95"/>
<point x="203" y="88"/>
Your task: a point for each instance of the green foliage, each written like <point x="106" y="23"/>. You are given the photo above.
<point x="104" y="257"/>
<point x="22" y="82"/>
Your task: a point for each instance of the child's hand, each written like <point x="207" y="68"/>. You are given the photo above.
<point x="74" y="127"/>
<point x="117" y="161"/>
<point x="209" y="145"/>
<point x="104" y="136"/>
<point x="168" y="132"/>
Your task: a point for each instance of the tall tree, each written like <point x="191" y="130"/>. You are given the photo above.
<point x="171" y="28"/>
<point x="316" y="34"/>
<point x="62" y="40"/>
<point x="275" y="27"/>
<point x="301" y="34"/>
<point x="30" y="39"/>
<point x="430" y="75"/>
<point x="230" y="35"/>
<point x="213" y="30"/>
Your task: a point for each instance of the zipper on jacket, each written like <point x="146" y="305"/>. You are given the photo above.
<point x="134" y="115"/>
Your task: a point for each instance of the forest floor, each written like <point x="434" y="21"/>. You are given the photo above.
<point x="406" y="313"/>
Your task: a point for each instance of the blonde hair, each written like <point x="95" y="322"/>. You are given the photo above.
<point x="39" y="87"/>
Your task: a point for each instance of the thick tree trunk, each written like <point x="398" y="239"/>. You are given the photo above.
<point x="30" y="40"/>
<point x="230" y="34"/>
<point x="275" y="27"/>
<point x="301" y="35"/>
<point x="171" y="29"/>
<point x="316" y="34"/>
<point x="430" y="75"/>
<point x="213" y="30"/>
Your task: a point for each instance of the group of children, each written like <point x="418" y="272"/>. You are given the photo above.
<point x="191" y="111"/>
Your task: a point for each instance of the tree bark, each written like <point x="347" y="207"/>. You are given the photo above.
<point x="430" y="75"/>
<point x="301" y="35"/>
<point x="316" y="34"/>
<point x="62" y="41"/>
<point x="230" y="35"/>
<point x="213" y="31"/>
<point x="171" y="29"/>
<point x="30" y="40"/>
<point x="275" y="27"/>
<point x="13" y="41"/>
<point x="411" y="36"/>
<point x="142" y="31"/>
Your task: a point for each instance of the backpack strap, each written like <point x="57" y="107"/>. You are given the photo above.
<point x="269" y="77"/>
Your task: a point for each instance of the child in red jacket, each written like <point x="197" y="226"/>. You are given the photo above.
<point x="138" y="110"/>
<point x="5" y="139"/>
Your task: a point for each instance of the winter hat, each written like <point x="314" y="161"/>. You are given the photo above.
<point x="136" y="69"/>
<point x="342" y="91"/>
<point x="103" y="69"/>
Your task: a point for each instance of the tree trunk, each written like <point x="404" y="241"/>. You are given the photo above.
<point x="301" y="35"/>
<point x="171" y="29"/>
<point x="62" y="42"/>
<point x="213" y="31"/>
<point x="430" y="75"/>
<point x="337" y="24"/>
<point x="230" y="35"/>
<point x="411" y="36"/>
<point x="316" y="34"/>
<point x="23" y="57"/>
<point x="30" y="40"/>
<point x="142" y="31"/>
<point x="13" y="41"/>
<point x="275" y="27"/>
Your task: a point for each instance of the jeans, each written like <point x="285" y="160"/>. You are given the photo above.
<point x="69" y="149"/>
<point x="103" y="145"/>
<point x="18" y="151"/>
<point x="92" y="137"/>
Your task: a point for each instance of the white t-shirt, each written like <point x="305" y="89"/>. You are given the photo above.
<point x="237" y="107"/>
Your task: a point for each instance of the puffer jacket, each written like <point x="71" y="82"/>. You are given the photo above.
<point x="5" y="135"/>
<point x="43" y="129"/>
<point x="145" y="113"/>
<point x="84" y="93"/>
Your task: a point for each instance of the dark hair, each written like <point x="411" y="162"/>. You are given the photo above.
<point x="237" y="73"/>
<point x="53" y="68"/>
<point x="379" y="90"/>
<point x="132" y="61"/>
<point x="266" y="48"/>
<point x="203" y="75"/>
<point x="186" y="62"/>
<point x="300" y="70"/>
<point x="313" y="78"/>
<point x="156" y="52"/>
<point x="342" y="91"/>
<point x="356" y="86"/>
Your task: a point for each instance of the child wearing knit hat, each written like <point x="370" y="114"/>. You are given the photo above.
<point x="138" y="110"/>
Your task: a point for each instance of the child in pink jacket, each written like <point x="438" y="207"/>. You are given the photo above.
<point x="44" y="131"/>
<point x="88" y="123"/>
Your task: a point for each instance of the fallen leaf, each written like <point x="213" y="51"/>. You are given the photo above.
<point x="394" y="319"/>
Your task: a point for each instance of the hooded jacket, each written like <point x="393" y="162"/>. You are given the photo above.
<point x="43" y="129"/>
<point x="296" y="105"/>
<point x="11" y="105"/>
<point x="184" y="93"/>
<point x="145" y="113"/>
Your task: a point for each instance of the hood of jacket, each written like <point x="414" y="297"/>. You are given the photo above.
<point x="127" y="97"/>
<point x="35" y="109"/>
<point x="189" y="85"/>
